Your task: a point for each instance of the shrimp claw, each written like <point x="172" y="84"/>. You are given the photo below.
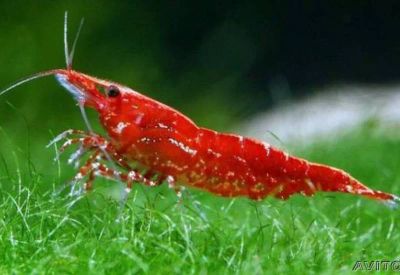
<point x="65" y="134"/>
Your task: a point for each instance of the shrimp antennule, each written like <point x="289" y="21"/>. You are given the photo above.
<point x="68" y="58"/>
<point x="70" y="55"/>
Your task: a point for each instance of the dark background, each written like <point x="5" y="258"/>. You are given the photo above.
<point x="219" y="62"/>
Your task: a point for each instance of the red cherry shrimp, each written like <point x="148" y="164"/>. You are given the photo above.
<point x="149" y="142"/>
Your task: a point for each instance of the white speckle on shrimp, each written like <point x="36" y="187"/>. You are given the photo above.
<point x="161" y="125"/>
<point x="120" y="127"/>
<point x="230" y="174"/>
<point x="215" y="154"/>
<point x="170" y="180"/>
<point x="139" y="118"/>
<point x="267" y="148"/>
<point x="182" y="146"/>
<point x="132" y="175"/>
<point x="349" y="188"/>
<point x="146" y="140"/>
<point x="116" y="173"/>
<point x="241" y="142"/>
<point x="103" y="146"/>
<point x="286" y="156"/>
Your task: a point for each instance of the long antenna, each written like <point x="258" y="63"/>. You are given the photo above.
<point x="66" y="52"/>
<point x="29" y="78"/>
<point x="71" y="55"/>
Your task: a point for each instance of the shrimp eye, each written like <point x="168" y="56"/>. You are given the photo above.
<point x="113" y="91"/>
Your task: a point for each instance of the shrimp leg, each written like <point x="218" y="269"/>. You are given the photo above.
<point x="100" y="148"/>
<point x="88" y="141"/>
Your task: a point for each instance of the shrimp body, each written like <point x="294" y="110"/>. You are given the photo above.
<point x="169" y="144"/>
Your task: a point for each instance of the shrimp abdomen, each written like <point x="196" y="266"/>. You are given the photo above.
<point x="232" y="165"/>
